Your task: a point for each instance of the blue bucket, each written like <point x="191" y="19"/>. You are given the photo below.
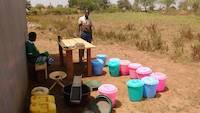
<point x="150" y="84"/>
<point x="97" y="66"/>
<point x="102" y="57"/>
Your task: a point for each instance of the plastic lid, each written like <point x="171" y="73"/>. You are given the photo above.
<point x="144" y="70"/>
<point x="114" y="60"/>
<point x="124" y="62"/>
<point x="150" y="80"/>
<point x="101" y="55"/>
<point x="96" y="61"/>
<point x="135" y="83"/>
<point x="159" y="75"/>
<point x="107" y="88"/>
<point x="113" y="63"/>
<point x="134" y="65"/>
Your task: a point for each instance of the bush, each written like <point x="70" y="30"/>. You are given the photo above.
<point x="196" y="51"/>
<point x="130" y="27"/>
<point x="61" y="11"/>
<point x="178" y="44"/>
<point x="186" y="33"/>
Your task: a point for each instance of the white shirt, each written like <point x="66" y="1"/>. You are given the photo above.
<point x="86" y="24"/>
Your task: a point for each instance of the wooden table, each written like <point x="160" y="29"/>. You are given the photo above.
<point x="69" y="45"/>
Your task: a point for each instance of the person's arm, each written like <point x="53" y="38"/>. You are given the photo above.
<point x="79" y="27"/>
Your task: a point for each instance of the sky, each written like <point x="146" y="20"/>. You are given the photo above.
<point x="65" y="2"/>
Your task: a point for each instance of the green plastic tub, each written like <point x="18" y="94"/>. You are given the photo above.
<point x="135" y="89"/>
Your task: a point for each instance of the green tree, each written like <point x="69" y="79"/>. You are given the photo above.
<point x="103" y="4"/>
<point x="147" y="3"/>
<point x="39" y="6"/>
<point x="124" y="4"/>
<point x="74" y="3"/>
<point x="167" y="2"/>
<point x="28" y="5"/>
<point x="136" y="5"/>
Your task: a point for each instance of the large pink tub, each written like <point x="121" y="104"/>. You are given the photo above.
<point x="124" y="67"/>
<point x="132" y="70"/>
<point x="110" y="91"/>
<point x="162" y="81"/>
<point x="143" y="72"/>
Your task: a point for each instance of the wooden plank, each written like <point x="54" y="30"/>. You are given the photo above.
<point x="69" y="44"/>
<point x="70" y="66"/>
<point x="89" y="65"/>
<point x="76" y="90"/>
<point x="60" y="51"/>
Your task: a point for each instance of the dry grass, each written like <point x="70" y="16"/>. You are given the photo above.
<point x="146" y="31"/>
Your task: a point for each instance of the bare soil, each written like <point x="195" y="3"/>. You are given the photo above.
<point x="182" y="94"/>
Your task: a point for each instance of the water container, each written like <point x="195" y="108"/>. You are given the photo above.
<point x="42" y="108"/>
<point x="150" y="84"/>
<point x="114" y="65"/>
<point x="110" y="91"/>
<point x="143" y="72"/>
<point x="42" y="99"/>
<point x="102" y="57"/>
<point x="124" y="67"/>
<point x="40" y="91"/>
<point x="135" y="89"/>
<point x="162" y="81"/>
<point x="97" y="66"/>
<point x="132" y="70"/>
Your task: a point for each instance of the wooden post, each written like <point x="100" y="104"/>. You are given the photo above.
<point x="70" y="66"/>
<point x="89" y="65"/>
<point x="60" y="51"/>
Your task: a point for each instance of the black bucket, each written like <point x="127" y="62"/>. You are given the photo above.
<point x="85" y="93"/>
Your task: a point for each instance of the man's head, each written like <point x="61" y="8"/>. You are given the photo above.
<point x="32" y="36"/>
<point x="87" y="13"/>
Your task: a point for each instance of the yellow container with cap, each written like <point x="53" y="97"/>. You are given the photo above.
<point x="42" y="108"/>
<point x="42" y="99"/>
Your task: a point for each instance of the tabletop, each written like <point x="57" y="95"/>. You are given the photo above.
<point x="75" y="43"/>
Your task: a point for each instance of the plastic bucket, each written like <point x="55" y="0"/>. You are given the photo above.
<point x="162" y="81"/>
<point x="150" y="84"/>
<point x="102" y="57"/>
<point x="135" y="89"/>
<point x="132" y="70"/>
<point x="124" y="67"/>
<point x="97" y="66"/>
<point x="143" y="72"/>
<point x="113" y="66"/>
<point x="110" y="91"/>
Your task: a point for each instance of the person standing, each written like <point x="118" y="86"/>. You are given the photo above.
<point x="85" y="30"/>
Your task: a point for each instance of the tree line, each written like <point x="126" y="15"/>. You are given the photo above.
<point x="138" y="5"/>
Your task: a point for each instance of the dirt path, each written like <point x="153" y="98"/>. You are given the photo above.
<point x="183" y="81"/>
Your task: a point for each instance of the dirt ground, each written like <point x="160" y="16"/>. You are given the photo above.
<point x="182" y="94"/>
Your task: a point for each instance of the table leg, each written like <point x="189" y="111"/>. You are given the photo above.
<point x="61" y="55"/>
<point x="89" y="65"/>
<point x="70" y="66"/>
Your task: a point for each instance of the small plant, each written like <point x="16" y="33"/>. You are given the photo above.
<point x="178" y="44"/>
<point x="130" y="27"/>
<point x="196" y="51"/>
<point x="186" y="33"/>
<point x="198" y="36"/>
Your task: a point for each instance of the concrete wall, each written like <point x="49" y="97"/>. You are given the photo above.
<point x="13" y="71"/>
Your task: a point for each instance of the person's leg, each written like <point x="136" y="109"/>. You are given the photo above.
<point x="81" y="55"/>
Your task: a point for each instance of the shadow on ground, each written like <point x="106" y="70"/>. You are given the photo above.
<point x="57" y="91"/>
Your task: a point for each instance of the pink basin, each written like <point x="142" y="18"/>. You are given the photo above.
<point x="124" y="67"/>
<point x="143" y="71"/>
<point x="110" y="91"/>
<point x="132" y="70"/>
<point x="162" y="81"/>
